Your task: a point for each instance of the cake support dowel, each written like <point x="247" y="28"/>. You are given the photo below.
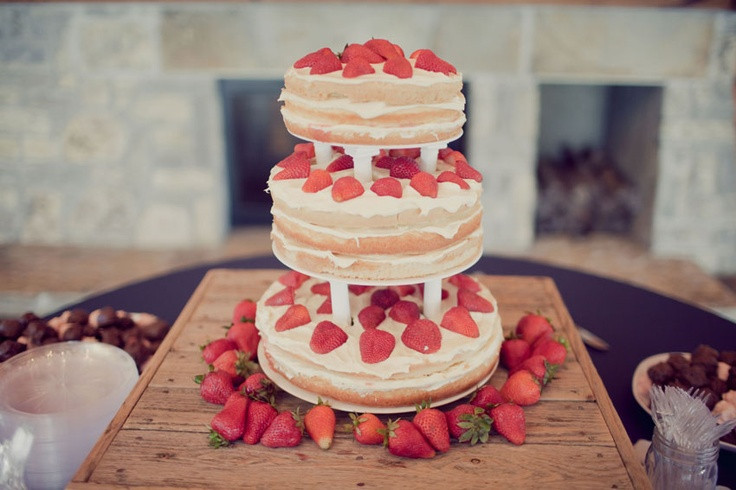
<point x="432" y="299"/>
<point x="428" y="157"/>
<point x="340" y="302"/>
<point x="362" y="161"/>
<point x="323" y="152"/>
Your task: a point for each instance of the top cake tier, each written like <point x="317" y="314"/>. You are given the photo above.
<point x="372" y="94"/>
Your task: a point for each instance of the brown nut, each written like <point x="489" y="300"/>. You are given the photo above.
<point x="71" y="331"/>
<point x="10" y="348"/>
<point x="78" y="315"/>
<point x="154" y="331"/>
<point x="10" y="328"/>
<point x="104" y="317"/>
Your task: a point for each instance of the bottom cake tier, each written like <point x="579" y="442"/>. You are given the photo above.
<point x="389" y="355"/>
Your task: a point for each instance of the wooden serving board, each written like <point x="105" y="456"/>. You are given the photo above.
<point x="159" y="438"/>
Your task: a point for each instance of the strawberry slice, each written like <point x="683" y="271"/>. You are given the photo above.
<point x="346" y="188"/>
<point x="398" y="66"/>
<point x="404" y="289"/>
<point x="327" y="337"/>
<point x="326" y="307"/>
<point x="448" y="176"/>
<point x="376" y="345"/>
<point x="465" y="171"/>
<point x="307" y="148"/>
<point x="293" y="279"/>
<point x="385" y="161"/>
<point x="405" y="152"/>
<point x="295" y="170"/>
<point x="425" y="184"/>
<point x="296" y="316"/>
<point x="318" y="179"/>
<point x="464" y="281"/>
<point x="423" y="336"/>
<point x="322" y="288"/>
<point x="283" y="297"/>
<point x="357" y="67"/>
<point x="427" y="60"/>
<point x="404" y="168"/>
<point x="387" y="186"/>
<point x="343" y="162"/>
<point x="458" y="320"/>
<point x="360" y="52"/>
<point x="371" y="316"/>
<point x="473" y="302"/>
<point x="311" y="59"/>
<point x="358" y="289"/>
<point x="297" y="158"/>
<point x="385" y="48"/>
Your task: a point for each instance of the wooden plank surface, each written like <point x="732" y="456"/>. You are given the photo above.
<point x="159" y="437"/>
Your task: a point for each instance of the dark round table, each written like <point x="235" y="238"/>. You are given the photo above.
<point x="636" y="323"/>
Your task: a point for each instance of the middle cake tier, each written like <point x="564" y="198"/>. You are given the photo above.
<point x="404" y="224"/>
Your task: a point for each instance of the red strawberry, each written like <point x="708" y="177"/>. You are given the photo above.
<point x="533" y="326"/>
<point x="346" y="188"/>
<point x="312" y="58"/>
<point x="293" y="279"/>
<point x="458" y="320"/>
<point x="468" y="423"/>
<point x="554" y="351"/>
<point x="385" y="161"/>
<point x="514" y="352"/>
<point x="229" y="424"/>
<point x="466" y="282"/>
<point x="486" y="397"/>
<point x="235" y="363"/>
<point x="416" y="53"/>
<point x="367" y="428"/>
<point x="405" y="152"/>
<point x="387" y="186"/>
<point x="448" y="176"/>
<point x="245" y="311"/>
<point x="398" y="66"/>
<point x="384" y="48"/>
<point x="432" y="423"/>
<point x="404" y="289"/>
<point x="427" y="60"/>
<point x="357" y="67"/>
<point x="423" y="336"/>
<point x="213" y="349"/>
<point x="385" y="298"/>
<point x="510" y="422"/>
<point x="318" y="179"/>
<point x="293" y="172"/>
<point x="522" y="388"/>
<point x="465" y="171"/>
<point x="360" y="52"/>
<point x="539" y="367"/>
<point x="307" y="148"/>
<point x="259" y="416"/>
<point x="327" y="337"/>
<point x="473" y="302"/>
<point x="327" y="63"/>
<point x="404" y="311"/>
<point x="285" y="431"/>
<point x="404" y="168"/>
<point x="215" y="386"/>
<point x="358" y="289"/>
<point x="258" y="387"/>
<point x="320" y="424"/>
<point x="296" y="316"/>
<point x="326" y="307"/>
<point x="444" y="152"/>
<point x="451" y="157"/>
<point x="404" y="439"/>
<point x="343" y="162"/>
<point x="371" y="316"/>
<point x="283" y="297"/>
<point x="246" y="337"/>
<point x="296" y="159"/>
<point x="322" y="288"/>
<point x="376" y="345"/>
<point x="425" y="184"/>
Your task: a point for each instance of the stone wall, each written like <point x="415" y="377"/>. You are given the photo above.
<point x="111" y="125"/>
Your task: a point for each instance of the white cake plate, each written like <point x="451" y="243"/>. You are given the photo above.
<point x="312" y="398"/>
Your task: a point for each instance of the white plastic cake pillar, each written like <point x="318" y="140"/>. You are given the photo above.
<point x="428" y="157"/>
<point x="340" y="302"/>
<point x="432" y="299"/>
<point x="362" y="161"/>
<point x="323" y="152"/>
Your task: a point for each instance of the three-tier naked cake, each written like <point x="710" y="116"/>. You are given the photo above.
<point x="377" y="219"/>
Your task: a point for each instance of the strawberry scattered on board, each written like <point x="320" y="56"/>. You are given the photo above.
<point x="531" y="354"/>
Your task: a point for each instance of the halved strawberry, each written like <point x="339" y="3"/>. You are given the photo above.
<point x="358" y="289"/>
<point x="322" y="288"/>
<point x="311" y="59"/>
<point x="448" y="176"/>
<point x="357" y="67"/>
<point x="464" y="281"/>
<point x="296" y="316"/>
<point x="427" y="60"/>
<point x="405" y="152"/>
<point x="371" y="316"/>
<point x="326" y="307"/>
<point x="317" y="180"/>
<point x="404" y="311"/>
<point x="293" y="279"/>
<point x="385" y="298"/>
<point x="343" y="162"/>
<point x="346" y="188"/>
<point x="424" y="183"/>
<point x="423" y="336"/>
<point x="444" y="152"/>
<point x="404" y="168"/>
<point x="297" y="170"/>
<point x="283" y="297"/>
<point x="417" y="52"/>
<point x="398" y="66"/>
<point x="298" y="158"/>
<point x="327" y="337"/>
<point x="307" y="148"/>
<point x="404" y="289"/>
<point x="465" y="171"/>
<point x="387" y="186"/>
<point x="451" y="157"/>
<point x="376" y="345"/>
<point x="361" y="52"/>
<point x="458" y="320"/>
<point x="385" y="161"/>
<point x="385" y="48"/>
<point x="473" y="302"/>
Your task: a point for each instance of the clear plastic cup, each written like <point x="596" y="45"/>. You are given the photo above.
<point x="65" y="394"/>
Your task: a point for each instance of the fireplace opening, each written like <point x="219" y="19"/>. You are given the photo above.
<point x="597" y="159"/>
<point x="255" y="140"/>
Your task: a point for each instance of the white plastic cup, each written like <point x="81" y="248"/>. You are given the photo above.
<point x="65" y="394"/>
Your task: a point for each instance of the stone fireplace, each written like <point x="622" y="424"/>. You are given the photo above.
<point x="112" y="129"/>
